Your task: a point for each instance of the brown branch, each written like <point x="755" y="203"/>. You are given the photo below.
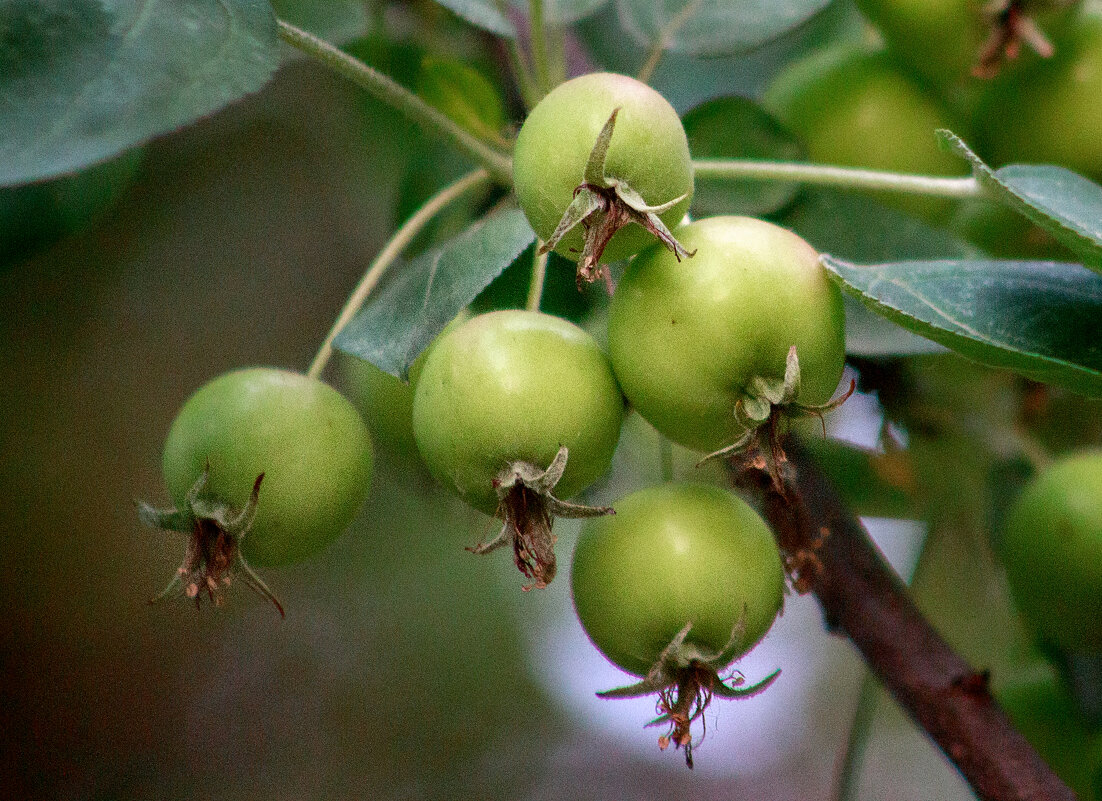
<point x="863" y="599"/>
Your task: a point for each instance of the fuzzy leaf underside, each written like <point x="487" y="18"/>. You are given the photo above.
<point x="427" y="293"/>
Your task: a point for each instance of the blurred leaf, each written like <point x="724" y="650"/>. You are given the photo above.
<point x="822" y="218"/>
<point x="687" y="81"/>
<point x="33" y="215"/>
<point x="428" y="292"/>
<point x="482" y="14"/>
<point x="737" y="127"/>
<point x="713" y="27"/>
<point x="858" y="228"/>
<point x="1040" y="319"/>
<point x="425" y="163"/>
<point x="1001" y="233"/>
<point x="1005" y="482"/>
<point x="564" y="12"/>
<point x="1062" y="202"/>
<point x="81" y="80"/>
<point x="334" y="20"/>
<point x="464" y="94"/>
<point x="872" y="484"/>
<point x="400" y="60"/>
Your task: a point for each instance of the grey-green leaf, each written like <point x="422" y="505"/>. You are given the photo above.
<point x="564" y="12"/>
<point x="712" y="27"/>
<point x="483" y="14"/>
<point x="427" y="293"/>
<point x="1040" y="319"/>
<point x="1064" y="203"/>
<point x="83" y="80"/>
<point x="737" y="127"/>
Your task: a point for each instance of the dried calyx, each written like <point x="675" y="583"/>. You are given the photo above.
<point x="527" y="508"/>
<point x="686" y="677"/>
<point x="1011" y="26"/>
<point x="766" y="404"/>
<point x="602" y="205"/>
<point x="215" y="531"/>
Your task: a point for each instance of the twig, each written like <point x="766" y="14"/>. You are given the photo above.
<point x="539" y="275"/>
<point x="864" y="600"/>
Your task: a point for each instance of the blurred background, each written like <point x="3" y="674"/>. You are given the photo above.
<point x="405" y="668"/>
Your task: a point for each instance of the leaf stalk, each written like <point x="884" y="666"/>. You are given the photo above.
<point x="841" y="177"/>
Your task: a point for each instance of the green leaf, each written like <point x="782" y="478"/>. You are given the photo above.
<point x="464" y="94"/>
<point x="83" y="80"/>
<point x="337" y="21"/>
<point x="1062" y="202"/>
<point x="713" y="27"/>
<point x="427" y="293"/>
<point x="1040" y="319"/>
<point x="482" y="14"/>
<point x="737" y="127"/>
<point x="686" y="81"/>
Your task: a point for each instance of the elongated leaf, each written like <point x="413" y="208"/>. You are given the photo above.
<point x="83" y="80"/>
<point x="1062" y="202"/>
<point x="712" y="27"/>
<point x="427" y="293"/>
<point x="1040" y="319"/>
<point x="737" y="127"/>
<point x="482" y="14"/>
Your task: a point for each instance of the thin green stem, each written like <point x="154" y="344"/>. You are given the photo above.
<point x="665" y="458"/>
<point x="470" y="182"/>
<point x="651" y="64"/>
<point x="496" y="163"/>
<point x="539" y="46"/>
<point x="842" y="177"/>
<point x="539" y="273"/>
<point x="663" y="41"/>
<point x="857" y="743"/>
<point x="556" y="55"/>
<point x="526" y="84"/>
